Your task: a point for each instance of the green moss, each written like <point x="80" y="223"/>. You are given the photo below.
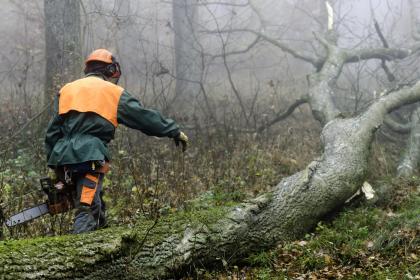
<point x="360" y="243"/>
<point x="66" y="244"/>
<point x="63" y="254"/>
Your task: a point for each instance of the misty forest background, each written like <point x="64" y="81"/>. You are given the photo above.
<point x="218" y="69"/>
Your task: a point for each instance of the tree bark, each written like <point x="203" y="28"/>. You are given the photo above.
<point x="187" y="54"/>
<point x="63" y="44"/>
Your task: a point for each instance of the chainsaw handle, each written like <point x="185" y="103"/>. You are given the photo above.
<point x="46" y="184"/>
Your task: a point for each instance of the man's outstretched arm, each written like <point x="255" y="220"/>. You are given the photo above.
<point x="133" y="114"/>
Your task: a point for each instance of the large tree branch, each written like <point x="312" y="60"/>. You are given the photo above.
<point x="386" y="54"/>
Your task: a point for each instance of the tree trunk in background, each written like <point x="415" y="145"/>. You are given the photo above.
<point x="63" y="44"/>
<point x="187" y="53"/>
<point x="411" y="157"/>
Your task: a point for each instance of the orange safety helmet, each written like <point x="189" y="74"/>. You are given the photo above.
<point x="113" y="69"/>
<point x="100" y="55"/>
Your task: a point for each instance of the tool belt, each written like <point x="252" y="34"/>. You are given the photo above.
<point x="61" y="192"/>
<point x="68" y="172"/>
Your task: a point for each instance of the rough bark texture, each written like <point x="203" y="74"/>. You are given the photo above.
<point x="321" y="94"/>
<point x="63" y="44"/>
<point x="187" y="54"/>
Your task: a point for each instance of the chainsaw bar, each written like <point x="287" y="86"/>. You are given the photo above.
<point x="27" y="215"/>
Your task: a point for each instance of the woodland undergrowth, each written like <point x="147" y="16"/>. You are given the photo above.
<point x="151" y="178"/>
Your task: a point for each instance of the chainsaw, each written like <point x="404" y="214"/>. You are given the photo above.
<point x="59" y="201"/>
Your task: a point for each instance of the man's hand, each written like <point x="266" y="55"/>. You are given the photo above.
<point x="183" y="139"/>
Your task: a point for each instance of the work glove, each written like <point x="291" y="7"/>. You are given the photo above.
<point x="183" y="139"/>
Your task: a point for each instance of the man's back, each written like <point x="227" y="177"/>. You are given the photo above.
<point x="91" y="94"/>
<point x="87" y="109"/>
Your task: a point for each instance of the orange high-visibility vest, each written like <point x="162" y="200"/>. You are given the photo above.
<point x="91" y="94"/>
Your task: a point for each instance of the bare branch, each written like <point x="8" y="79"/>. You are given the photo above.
<point x="247" y="49"/>
<point x="8" y="141"/>
<point x="258" y="13"/>
<point x="235" y="89"/>
<point x="380" y="34"/>
<point x="388" y="73"/>
<point x="283" y="115"/>
<point x="397" y="126"/>
<point x="314" y="61"/>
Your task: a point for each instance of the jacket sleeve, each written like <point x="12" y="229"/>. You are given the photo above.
<point x="54" y="132"/>
<point x="131" y="113"/>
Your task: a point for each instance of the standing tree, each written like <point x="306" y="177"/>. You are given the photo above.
<point x="63" y="44"/>
<point x="187" y="53"/>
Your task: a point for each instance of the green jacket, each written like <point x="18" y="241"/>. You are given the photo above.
<point x="77" y="137"/>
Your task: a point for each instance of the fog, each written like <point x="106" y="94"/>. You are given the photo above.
<point x="220" y="60"/>
<point x="140" y="33"/>
<point x="297" y="103"/>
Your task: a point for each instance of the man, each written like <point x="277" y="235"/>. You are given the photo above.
<point x="87" y="111"/>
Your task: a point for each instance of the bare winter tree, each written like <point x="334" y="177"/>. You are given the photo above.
<point x="175" y="244"/>
<point x="187" y="53"/>
<point x="63" y="44"/>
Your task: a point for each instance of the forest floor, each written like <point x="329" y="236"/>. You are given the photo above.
<point x="363" y="241"/>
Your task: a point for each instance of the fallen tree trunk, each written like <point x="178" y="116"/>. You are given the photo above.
<point x="181" y="242"/>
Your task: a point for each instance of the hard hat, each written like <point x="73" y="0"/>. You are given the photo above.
<point x="100" y="55"/>
<point x="112" y="70"/>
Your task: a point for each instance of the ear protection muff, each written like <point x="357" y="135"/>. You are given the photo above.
<point x="113" y="70"/>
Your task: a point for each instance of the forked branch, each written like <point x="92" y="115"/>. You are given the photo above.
<point x="284" y="114"/>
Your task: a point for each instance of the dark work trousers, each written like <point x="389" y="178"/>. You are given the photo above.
<point x="90" y="207"/>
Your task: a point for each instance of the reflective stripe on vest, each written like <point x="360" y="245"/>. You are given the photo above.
<point x="91" y="94"/>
